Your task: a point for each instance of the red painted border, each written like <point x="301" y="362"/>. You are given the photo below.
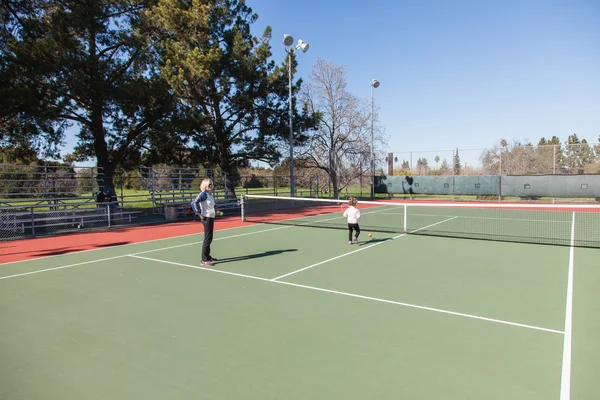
<point x="28" y="249"/>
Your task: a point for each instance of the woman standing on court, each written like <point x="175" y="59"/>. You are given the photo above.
<point x="204" y="206"/>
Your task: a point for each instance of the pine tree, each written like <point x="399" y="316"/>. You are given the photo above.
<point x="456" y="163"/>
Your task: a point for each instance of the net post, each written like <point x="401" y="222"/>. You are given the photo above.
<point x="243" y="208"/>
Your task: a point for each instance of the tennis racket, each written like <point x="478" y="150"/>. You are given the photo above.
<point x="344" y="206"/>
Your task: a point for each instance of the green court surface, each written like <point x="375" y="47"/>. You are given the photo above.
<point x="295" y="312"/>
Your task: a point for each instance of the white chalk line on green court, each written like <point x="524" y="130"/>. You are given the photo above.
<point x="437" y="310"/>
<point x="215" y="239"/>
<point x="126" y="244"/>
<point x="234" y="236"/>
<point x="142" y="252"/>
<point x="61" y="267"/>
<point x="126" y="255"/>
<point x="361" y="249"/>
<point x="335" y="258"/>
<point x="481" y="218"/>
<point x="565" y="380"/>
<point x="137" y="243"/>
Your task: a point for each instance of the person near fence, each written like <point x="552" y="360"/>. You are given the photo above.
<point x="352" y="214"/>
<point x="105" y="199"/>
<point x="204" y="206"/>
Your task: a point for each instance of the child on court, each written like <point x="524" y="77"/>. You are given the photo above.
<point x="352" y="214"/>
<point x="204" y="206"/>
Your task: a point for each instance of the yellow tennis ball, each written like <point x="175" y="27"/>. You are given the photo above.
<point x="370" y="235"/>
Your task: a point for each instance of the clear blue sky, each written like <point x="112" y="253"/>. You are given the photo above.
<point x="455" y="73"/>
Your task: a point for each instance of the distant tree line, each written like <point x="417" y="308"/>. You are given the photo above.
<point x="549" y="156"/>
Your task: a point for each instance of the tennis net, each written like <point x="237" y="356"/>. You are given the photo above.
<point x="555" y="224"/>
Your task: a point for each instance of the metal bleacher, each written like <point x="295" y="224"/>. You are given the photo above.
<point x="48" y="200"/>
<point x="172" y="189"/>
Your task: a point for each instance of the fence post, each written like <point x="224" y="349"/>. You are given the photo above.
<point x="500" y="184"/>
<point x="553" y="165"/>
<point x="46" y="181"/>
<point x="121" y="188"/>
<point x="32" y="222"/>
<point x="500" y="188"/>
<point x="93" y="183"/>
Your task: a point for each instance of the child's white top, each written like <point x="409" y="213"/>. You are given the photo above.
<point x="353" y="214"/>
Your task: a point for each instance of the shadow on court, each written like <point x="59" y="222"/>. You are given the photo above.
<point x="112" y="244"/>
<point x="58" y="251"/>
<point x="371" y="241"/>
<point x="252" y="256"/>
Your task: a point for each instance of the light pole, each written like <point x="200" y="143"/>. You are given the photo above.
<point x="288" y="41"/>
<point x="374" y="85"/>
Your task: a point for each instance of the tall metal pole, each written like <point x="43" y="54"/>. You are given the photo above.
<point x="287" y="42"/>
<point x="374" y="85"/>
<point x="372" y="150"/>
<point x="292" y="183"/>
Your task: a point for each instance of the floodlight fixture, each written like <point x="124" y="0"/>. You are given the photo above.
<point x="288" y="40"/>
<point x="302" y="46"/>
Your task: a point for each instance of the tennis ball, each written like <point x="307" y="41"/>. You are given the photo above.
<point x="370" y="235"/>
<point x="220" y="213"/>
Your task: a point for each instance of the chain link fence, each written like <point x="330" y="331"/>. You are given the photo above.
<point x="47" y="200"/>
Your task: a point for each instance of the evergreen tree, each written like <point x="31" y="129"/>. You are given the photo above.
<point x="92" y="65"/>
<point x="232" y="98"/>
<point x="456" y="163"/>
<point x="577" y="154"/>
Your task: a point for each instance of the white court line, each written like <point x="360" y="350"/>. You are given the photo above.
<point x="127" y="255"/>
<point x="234" y="236"/>
<point x="356" y="251"/>
<point x="334" y="258"/>
<point x="437" y="223"/>
<point x="142" y="252"/>
<point x="483" y="218"/>
<point x="215" y="239"/>
<point x="142" y="242"/>
<point x="565" y="380"/>
<point x="438" y="310"/>
<point x="61" y="267"/>
<point x="122" y="245"/>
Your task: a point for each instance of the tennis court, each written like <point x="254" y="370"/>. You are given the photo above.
<point x="292" y="311"/>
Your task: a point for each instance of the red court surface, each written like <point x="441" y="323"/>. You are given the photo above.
<point x="27" y="249"/>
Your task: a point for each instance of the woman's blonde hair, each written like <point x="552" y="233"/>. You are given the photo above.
<point x="205" y="183"/>
<point x="352" y="201"/>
